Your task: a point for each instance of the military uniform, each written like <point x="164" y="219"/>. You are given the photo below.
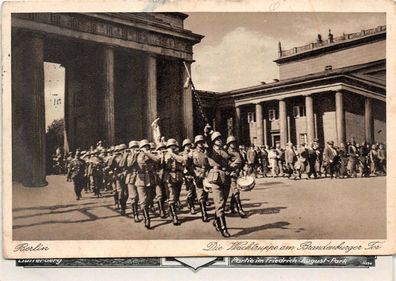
<point x="200" y="166"/>
<point x="78" y="175"/>
<point x="219" y="178"/>
<point x="145" y="177"/>
<point x="96" y="168"/>
<point x="188" y="174"/>
<point x="130" y="178"/>
<point x="117" y="166"/>
<point x="160" y="194"/>
<point x="173" y="177"/>
<point x="236" y="164"/>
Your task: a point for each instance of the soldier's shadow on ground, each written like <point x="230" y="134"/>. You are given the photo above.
<point x="85" y="211"/>
<point x="249" y="230"/>
<point x="52" y="207"/>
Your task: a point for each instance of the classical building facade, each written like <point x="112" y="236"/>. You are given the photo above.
<point x="332" y="89"/>
<point x="122" y="71"/>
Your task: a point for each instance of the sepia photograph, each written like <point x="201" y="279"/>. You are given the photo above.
<point x="198" y="126"/>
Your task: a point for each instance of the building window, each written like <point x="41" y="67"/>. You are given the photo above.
<point x="298" y="111"/>
<point x="251" y="116"/>
<point x="303" y="138"/>
<point x="272" y="114"/>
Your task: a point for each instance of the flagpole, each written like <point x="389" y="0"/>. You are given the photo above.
<point x="195" y="93"/>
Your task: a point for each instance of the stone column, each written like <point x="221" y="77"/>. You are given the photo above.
<point x="282" y="123"/>
<point x="368" y="120"/>
<point x="340" y="117"/>
<point x="108" y="87"/>
<point x="265" y="131"/>
<point x="259" y="125"/>
<point x="237" y="131"/>
<point x="218" y="119"/>
<point x="151" y="94"/>
<point x="187" y="103"/>
<point x="309" y="119"/>
<point x="34" y="115"/>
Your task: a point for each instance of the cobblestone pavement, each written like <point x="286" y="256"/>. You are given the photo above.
<point x="278" y="208"/>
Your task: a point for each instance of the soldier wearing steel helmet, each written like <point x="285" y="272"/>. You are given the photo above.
<point x="118" y="166"/>
<point x="130" y="177"/>
<point x="160" y="192"/>
<point x="188" y="174"/>
<point x="219" y="178"/>
<point x="152" y="189"/>
<point x="236" y="164"/>
<point x="96" y="165"/>
<point x="173" y="176"/>
<point x="145" y="177"/>
<point x="200" y="168"/>
<point x="77" y="167"/>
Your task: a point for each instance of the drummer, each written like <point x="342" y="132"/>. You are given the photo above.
<point x="218" y="177"/>
<point x="236" y="164"/>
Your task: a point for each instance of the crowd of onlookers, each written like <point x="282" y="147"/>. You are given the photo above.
<point x="349" y="159"/>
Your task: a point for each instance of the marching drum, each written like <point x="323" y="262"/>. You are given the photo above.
<point x="246" y="183"/>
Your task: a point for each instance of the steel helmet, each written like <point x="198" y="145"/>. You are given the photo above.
<point x="199" y="138"/>
<point x="161" y="145"/>
<point x="231" y="139"/>
<point x="186" y="142"/>
<point x="171" y="142"/>
<point x="133" y="144"/>
<point x="215" y="135"/>
<point x="122" y="147"/>
<point x="144" y="143"/>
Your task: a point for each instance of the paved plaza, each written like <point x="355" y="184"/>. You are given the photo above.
<point x="278" y="208"/>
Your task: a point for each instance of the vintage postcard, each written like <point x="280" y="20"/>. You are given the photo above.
<point x="172" y="128"/>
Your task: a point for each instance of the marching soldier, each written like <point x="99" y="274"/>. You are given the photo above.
<point x="69" y="159"/>
<point x="117" y="165"/>
<point x="130" y="178"/>
<point x="77" y="167"/>
<point x="219" y="178"/>
<point x="96" y="166"/>
<point x="200" y="167"/>
<point x="236" y="164"/>
<point x="145" y="177"/>
<point x="152" y="191"/>
<point x="160" y="195"/>
<point x="189" y="174"/>
<point x="173" y="176"/>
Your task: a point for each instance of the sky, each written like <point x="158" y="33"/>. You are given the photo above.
<point x="239" y="48"/>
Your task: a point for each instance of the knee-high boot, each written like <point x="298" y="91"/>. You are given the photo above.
<point x="172" y="208"/>
<point x="216" y="223"/>
<point x="135" y="212"/>
<point x="224" y="230"/>
<point x="204" y="214"/>
<point x="161" y="209"/>
<point x="146" y="216"/>
<point x="190" y="202"/>
<point x="238" y="204"/>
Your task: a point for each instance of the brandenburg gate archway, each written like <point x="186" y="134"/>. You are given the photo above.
<point x="122" y="71"/>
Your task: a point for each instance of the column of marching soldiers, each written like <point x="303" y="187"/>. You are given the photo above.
<point x="144" y="175"/>
<point x="150" y="175"/>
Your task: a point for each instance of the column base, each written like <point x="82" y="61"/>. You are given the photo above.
<point x="35" y="183"/>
